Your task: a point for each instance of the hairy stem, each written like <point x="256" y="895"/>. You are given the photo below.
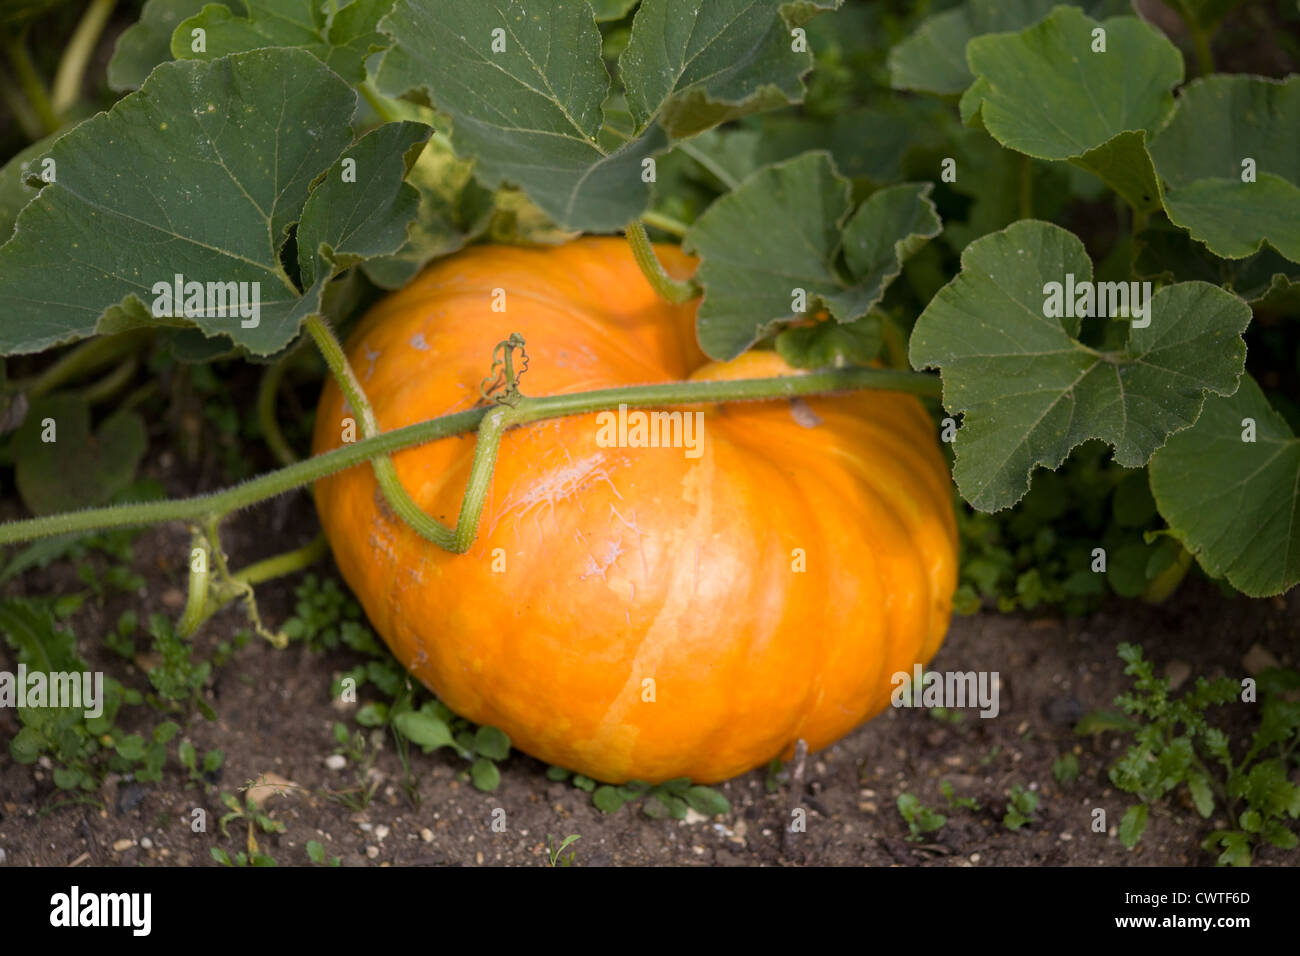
<point x="668" y="224"/>
<point x="196" y="603"/>
<point x="98" y="352"/>
<point x="385" y="472"/>
<point x="72" y="68"/>
<point x="266" y="393"/>
<point x="538" y="409"/>
<point x="669" y="289"/>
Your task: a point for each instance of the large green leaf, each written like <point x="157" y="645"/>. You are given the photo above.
<point x="453" y="209"/>
<point x="1044" y="92"/>
<point x="1235" y="504"/>
<point x="63" y="466"/>
<point x="147" y="42"/>
<point x="693" y="64"/>
<point x="933" y="59"/>
<point x="342" y="40"/>
<point x="530" y="97"/>
<point x="15" y="191"/>
<point x="1266" y="280"/>
<point x="1029" y="390"/>
<point x="530" y="113"/>
<point x="200" y="173"/>
<point x="1220" y="122"/>
<point x="785" y="229"/>
<point x="356" y="212"/>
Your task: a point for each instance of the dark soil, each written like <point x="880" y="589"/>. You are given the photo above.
<point x="275" y="717"/>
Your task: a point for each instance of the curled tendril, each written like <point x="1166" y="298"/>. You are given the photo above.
<point x="502" y="385"/>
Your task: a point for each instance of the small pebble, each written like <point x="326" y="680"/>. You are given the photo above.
<point x="123" y="844"/>
<point x="335" y="762"/>
<point x="146" y="843"/>
<point x="381" y="832"/>
<point x="3" y="856"/>
<point x="426" y="835"/>
<point x="372" y="852"/>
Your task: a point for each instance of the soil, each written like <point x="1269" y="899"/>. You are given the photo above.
<point x="275" y="717"/>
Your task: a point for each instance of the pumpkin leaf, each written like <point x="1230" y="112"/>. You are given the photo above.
<point x="15" y="191"/>
<point x="1050" y="93"/>
<point x="784" y="245"/>
<point x="611" y="9"/>
<point x="1266" y="280"/>
<point x="691" y="65"/>
<point x="63" y="466"/>
<point x="829" y="344"/>
<point x="1225" y="131"/>
<point x="1029" y="390"/>
<point x="362" y="208"/>
<point x="342" y="41"/>
<point x="607" y="799"/>
<point x="147" y="42"/>
<point x="1233" y="502"/>
<point x="525" y="86"/>
<point x="933" y="59"/>
<point x="200" y="173"/>
<point x="453" y="209"/>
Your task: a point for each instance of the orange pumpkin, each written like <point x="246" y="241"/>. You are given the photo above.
<point x="636" y="612"/>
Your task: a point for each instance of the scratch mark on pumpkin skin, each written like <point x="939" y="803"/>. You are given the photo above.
<point x="371" y="356"/>
<point x="640" y="541"/>
<point x="561" y="484"/>
<point x="613" y="551"/>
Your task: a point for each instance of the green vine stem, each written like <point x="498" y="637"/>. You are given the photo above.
<point x="1201" y="41"/>
<point x="240" y="583"/>
<point x="80" y="49"/>
<point x="85" y="358"/>
<point x="894" y="341"/>
<point x="379" y="103"/>
<point x="385" y="471"/>
<point x="286" y="563"/>
<point x="657" y="220"/>
<point x="538" y="409"/>
<point x="30" y="82"/>
<point x="267" y="390"/>
<point x="669" y="289"/>
<point x="110" y="384"/>
<point x="196" y="601"/>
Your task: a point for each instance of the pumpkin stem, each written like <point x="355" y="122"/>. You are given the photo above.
<point x="491" y="427"/>
<point x="670" y="289"/>
<point x="502" y="380"/>
<point x="497" y="419"/>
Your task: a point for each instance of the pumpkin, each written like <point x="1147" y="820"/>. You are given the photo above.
<point x="638" y="612"/>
